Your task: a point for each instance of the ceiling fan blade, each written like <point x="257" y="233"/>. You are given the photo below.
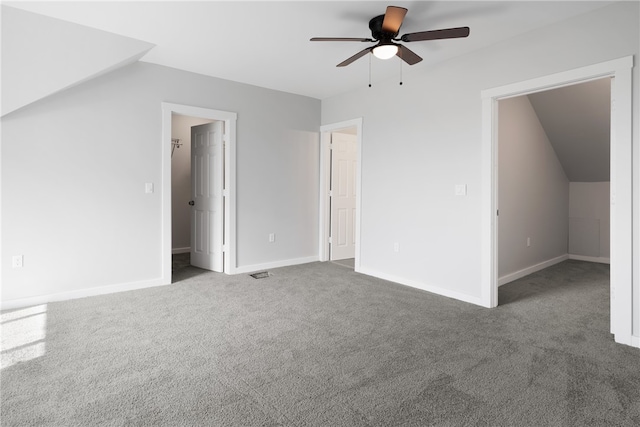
<point x="449" y="33"/>
<point x="407" y="55"/>
<point x="354" y="57"/>
<point x="393" y="18"/>
<point x="339" y="39"/>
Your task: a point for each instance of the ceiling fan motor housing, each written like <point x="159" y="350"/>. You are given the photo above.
<point x="375" y="25"/>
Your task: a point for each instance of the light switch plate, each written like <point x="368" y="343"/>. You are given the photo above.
<point x="148" y="187"/>
<point x="461" y="189"/>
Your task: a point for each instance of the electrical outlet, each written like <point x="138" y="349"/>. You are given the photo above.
<point x="272" y="237"/>
<point x="528" y="241"/>
<point x="17" y="261"/>
<point x="396" y="247"/>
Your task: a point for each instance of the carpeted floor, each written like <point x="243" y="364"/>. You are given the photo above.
<point x="349" y="262"/>
<point x="320" y="345"/>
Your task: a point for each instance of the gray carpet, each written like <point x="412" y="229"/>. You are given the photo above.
<point x="349" y="262"/>
<point x="319" y="345"/>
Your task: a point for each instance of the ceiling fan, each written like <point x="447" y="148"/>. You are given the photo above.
<point x="384" y="30"/>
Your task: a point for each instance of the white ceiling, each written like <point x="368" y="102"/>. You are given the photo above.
<point x="267" y="43"/>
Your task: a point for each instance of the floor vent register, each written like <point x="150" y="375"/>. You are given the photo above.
<point x="260" y="275"/>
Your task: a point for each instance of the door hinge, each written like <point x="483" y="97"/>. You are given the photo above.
<point x="498" y="212"/>
<point x="330" y="193"/>
<point x="330" y="240"/>
<point x="225" y="193"/>
<point x="225" y="248"/>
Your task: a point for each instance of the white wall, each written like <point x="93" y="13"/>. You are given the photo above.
<point x="422" y="138"/>
<point x="589" y="214"/>
<point x="181" y="181"/>
<point x="74" y="168"/>
<point x="533" y="191"/>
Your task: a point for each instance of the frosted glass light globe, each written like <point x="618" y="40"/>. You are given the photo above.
<point x="385" y="51"/>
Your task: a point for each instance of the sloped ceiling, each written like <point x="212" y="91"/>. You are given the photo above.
<point x="43" y="55"/>
<point x="577" y="120"/>
<point x="266" y="43"/>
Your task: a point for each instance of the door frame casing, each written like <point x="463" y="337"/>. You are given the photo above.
<point x="621" y="183"/>
<point x="325" y="182"/>
<point x="229" y="192"/>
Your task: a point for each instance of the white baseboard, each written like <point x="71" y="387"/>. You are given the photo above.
<point x="274" y="264"/>
<point x="423" y="286"/>
<point x="630" y="340"/>
<point x="529" y="270"/>
<point x="80" y="293"/>
<point x="590" y="259"/>
<point x="180" y="250"/>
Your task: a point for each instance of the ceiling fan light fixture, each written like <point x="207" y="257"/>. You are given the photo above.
<point x="385" y="51"/>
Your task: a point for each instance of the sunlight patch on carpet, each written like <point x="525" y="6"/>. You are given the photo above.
<point x="23" y="335"/>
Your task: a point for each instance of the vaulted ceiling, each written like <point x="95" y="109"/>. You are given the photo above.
<point x="43" y="55"/>
<point x="262" y="43"/>
<point x="49" y="46"/>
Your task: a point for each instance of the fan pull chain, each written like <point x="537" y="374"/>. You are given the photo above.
<point x="370" y="55"/>
<point x="401" y="67"/>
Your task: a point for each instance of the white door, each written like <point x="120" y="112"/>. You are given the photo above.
<point x="343" y="196"/>
<point x="207" y="181"/>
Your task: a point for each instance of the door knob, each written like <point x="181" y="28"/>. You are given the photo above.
<point x="191" y="203"/>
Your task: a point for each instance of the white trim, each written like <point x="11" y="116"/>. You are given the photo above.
<point x="181" y="250"/>
<point x="489" y="203"/>
<point x="598" y="259"/>
<point x="325" y="177"/>
<point x="229" y="119"/>
<point x="508" y="278"/>
<point x="621" y="182"/>
<point x="275" y="264"/>
<point x="561" y="79"/>
<point x="423" y="286"/>
<point x="79" y="293"/>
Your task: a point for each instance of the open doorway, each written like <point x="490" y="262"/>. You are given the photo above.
<point x="621" y="204"/>
<point x="197" y="180"/>
<point x="213" y="153"/>
<point x="340" y="193"/>
<point x="553" y="178"/>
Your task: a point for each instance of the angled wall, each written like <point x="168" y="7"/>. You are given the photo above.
<point x="533" y="192"/>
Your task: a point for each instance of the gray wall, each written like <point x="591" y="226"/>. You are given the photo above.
<point x="533" y="191"/>
<point x="589" y="219"/>
<point x="74" y="167"/>
<point x="422" y="138"/>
